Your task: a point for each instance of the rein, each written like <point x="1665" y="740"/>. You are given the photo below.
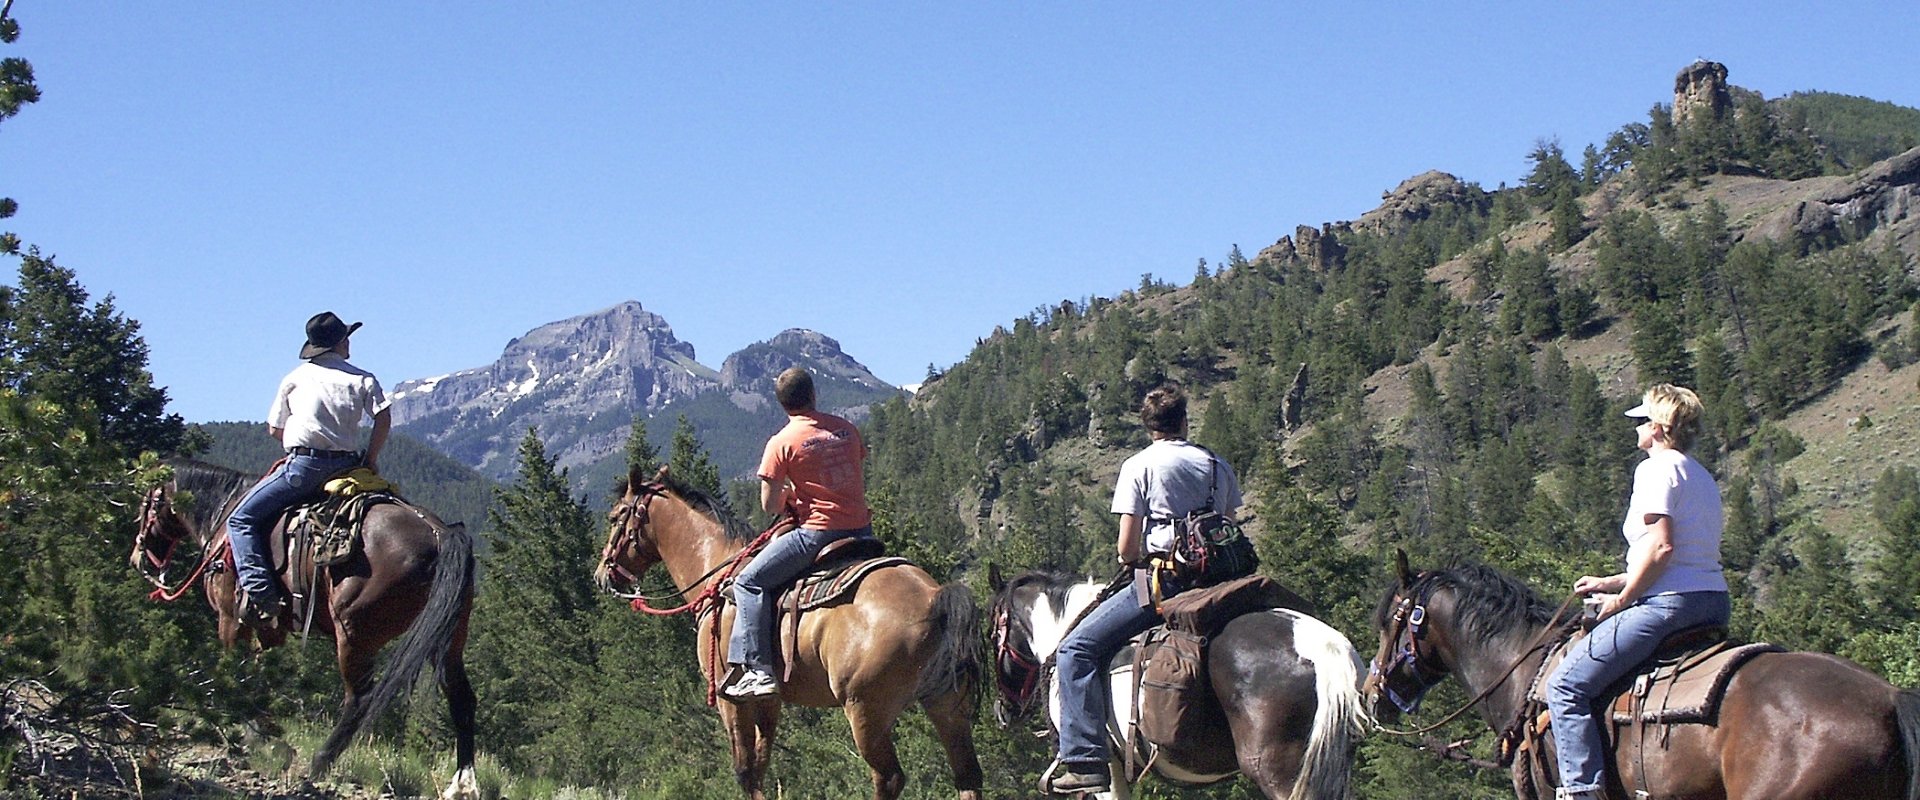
<point x="707" y="600"/>
<point x="150" y="525"/>
<point x="1413" y="620"/>
<point x="1024" y="697"/>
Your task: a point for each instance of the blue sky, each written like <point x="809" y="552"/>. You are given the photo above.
<point x="900" y="176"/>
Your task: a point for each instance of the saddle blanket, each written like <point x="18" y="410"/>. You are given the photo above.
<point x="1685" y="689"/>
<point x="822" y="588"/>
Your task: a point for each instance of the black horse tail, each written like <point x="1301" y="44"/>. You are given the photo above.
<point x="1907" y="709"/>
<point x="955" y="663"/>
<point x="426" y="643"/>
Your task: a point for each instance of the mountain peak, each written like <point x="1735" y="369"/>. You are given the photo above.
<point x="582" y="380"/>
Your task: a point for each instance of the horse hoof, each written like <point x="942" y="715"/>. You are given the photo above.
<point x="463" y="786"/>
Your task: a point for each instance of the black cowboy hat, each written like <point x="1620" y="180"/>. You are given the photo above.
<point x="324" y="332"/>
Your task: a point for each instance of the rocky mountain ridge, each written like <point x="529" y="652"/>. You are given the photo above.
<point x="582" y="380"/>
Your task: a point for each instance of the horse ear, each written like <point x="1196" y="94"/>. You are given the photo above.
<point x="994" y="580"/>
<point x="661" y="475"/>
<point x="1401" y="570"/>
<point x="634" y="479"/>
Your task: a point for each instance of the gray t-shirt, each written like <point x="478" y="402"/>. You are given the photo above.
<point x="1172" y="478"/>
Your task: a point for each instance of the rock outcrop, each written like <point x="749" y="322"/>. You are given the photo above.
<point x="1700" y="89"/>
<point x="1885" y="199"/>
<point x="1319" y="248"/>
<point x="1417" y="198"/>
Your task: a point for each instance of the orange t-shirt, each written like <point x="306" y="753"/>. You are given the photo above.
<point x="822" y="455"/>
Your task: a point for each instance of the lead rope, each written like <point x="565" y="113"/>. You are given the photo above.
<point x="162" y="593"/>
<point x="709" y="600"/>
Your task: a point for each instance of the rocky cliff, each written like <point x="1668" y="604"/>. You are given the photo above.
<point x="581" y="381"/>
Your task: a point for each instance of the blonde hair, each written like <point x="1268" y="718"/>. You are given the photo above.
<point x="1677" y="409"/>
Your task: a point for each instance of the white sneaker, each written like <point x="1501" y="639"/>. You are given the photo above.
<point x="752" y="683"/>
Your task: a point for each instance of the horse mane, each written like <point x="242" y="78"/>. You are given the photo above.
<point x="1489" y="603"/>
<point x="736" y="529"/>
<point x="213" y="487"/>
<point x="1054" y="584"/>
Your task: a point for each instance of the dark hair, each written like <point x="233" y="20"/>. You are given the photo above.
<point x="794" y="389"/>
<point x="1164" y="410"/>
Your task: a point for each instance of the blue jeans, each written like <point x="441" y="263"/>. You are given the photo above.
<point x="296" y="480"/>
<point x="1615" y="648"/>
<point x="758" y="586"/>
<point x="1081" y="664"/>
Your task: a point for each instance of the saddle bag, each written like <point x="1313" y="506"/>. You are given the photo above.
<point x="1204" y="611"/>
<point x="1176" y="698"/>
<point x="1208" y="546"/>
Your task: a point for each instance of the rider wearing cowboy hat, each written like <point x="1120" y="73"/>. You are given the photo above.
<point x="316" y="416"/>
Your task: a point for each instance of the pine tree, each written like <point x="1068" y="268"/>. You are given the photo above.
<point x="536" y="580"/>
<point x="1896" y="506"/>
<point x="687" y="460"/>
<point x="57" y="347"/>
<point x="1660" y="347"/>
<point x="17" y="89"/>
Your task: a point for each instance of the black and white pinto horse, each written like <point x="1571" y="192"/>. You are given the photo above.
<point x="1289" y="685"/>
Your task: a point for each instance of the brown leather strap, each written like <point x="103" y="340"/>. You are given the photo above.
<point x="790" y="645"/>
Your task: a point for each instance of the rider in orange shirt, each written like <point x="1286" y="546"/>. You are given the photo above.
<point x="813" y="470"/>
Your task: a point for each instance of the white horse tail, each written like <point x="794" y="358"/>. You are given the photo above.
<point x="1340" y="719"/>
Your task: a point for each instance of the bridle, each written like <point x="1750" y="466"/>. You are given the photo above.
<point x="628" y="516"/>
<point x="1026" y="672"/>
<point x="1407" y="627"/>
<point x="1019" y="674"/>
<point x="152" y="506"/>
<point x="1407" y="630"/>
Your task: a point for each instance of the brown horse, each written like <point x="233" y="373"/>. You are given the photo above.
<point x="1791" y="726"/>
<point x="412" y="574"/>
<point x="902" y="638"/>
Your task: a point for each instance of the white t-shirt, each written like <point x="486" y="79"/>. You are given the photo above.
<point x="1670" y="482"/>
<point x="321" y="402"/>
<point x="1171" y="478"/>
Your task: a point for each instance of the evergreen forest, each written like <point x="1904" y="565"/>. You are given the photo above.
<point x="1446" y="377"/>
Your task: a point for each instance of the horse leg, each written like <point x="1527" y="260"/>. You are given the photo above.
<point x="460" y="707"/>
<point x="750" y="728"/>
<point x="356" y="678"/>
<point x="952" y="717"/>
<point x="873" y="737"/>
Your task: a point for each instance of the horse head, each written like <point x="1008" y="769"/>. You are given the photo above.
<point x="1409" y="662"/>
<point x="631" y="549"/>
<point x="1031" y="614"/>
<point x="159" y="535"/>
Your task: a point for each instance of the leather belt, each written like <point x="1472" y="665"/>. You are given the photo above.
<point x="301" y="450"/>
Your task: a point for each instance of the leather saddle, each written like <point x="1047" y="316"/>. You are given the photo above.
<point x="1172" y="703"/>
<point x="1682" y="683"/>
<point x="317" y="534"/>
<point x="836" y="572"/>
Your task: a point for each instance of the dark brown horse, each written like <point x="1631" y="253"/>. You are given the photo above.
<point x="412" y="574"/>
<point x="1791" y="726"/>
<point x="902" y="638"/>
<point x="1289" y="685"/>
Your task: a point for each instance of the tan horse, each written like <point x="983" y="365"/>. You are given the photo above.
<point x="901" y="639"/>
<point x="412" y="575"/>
